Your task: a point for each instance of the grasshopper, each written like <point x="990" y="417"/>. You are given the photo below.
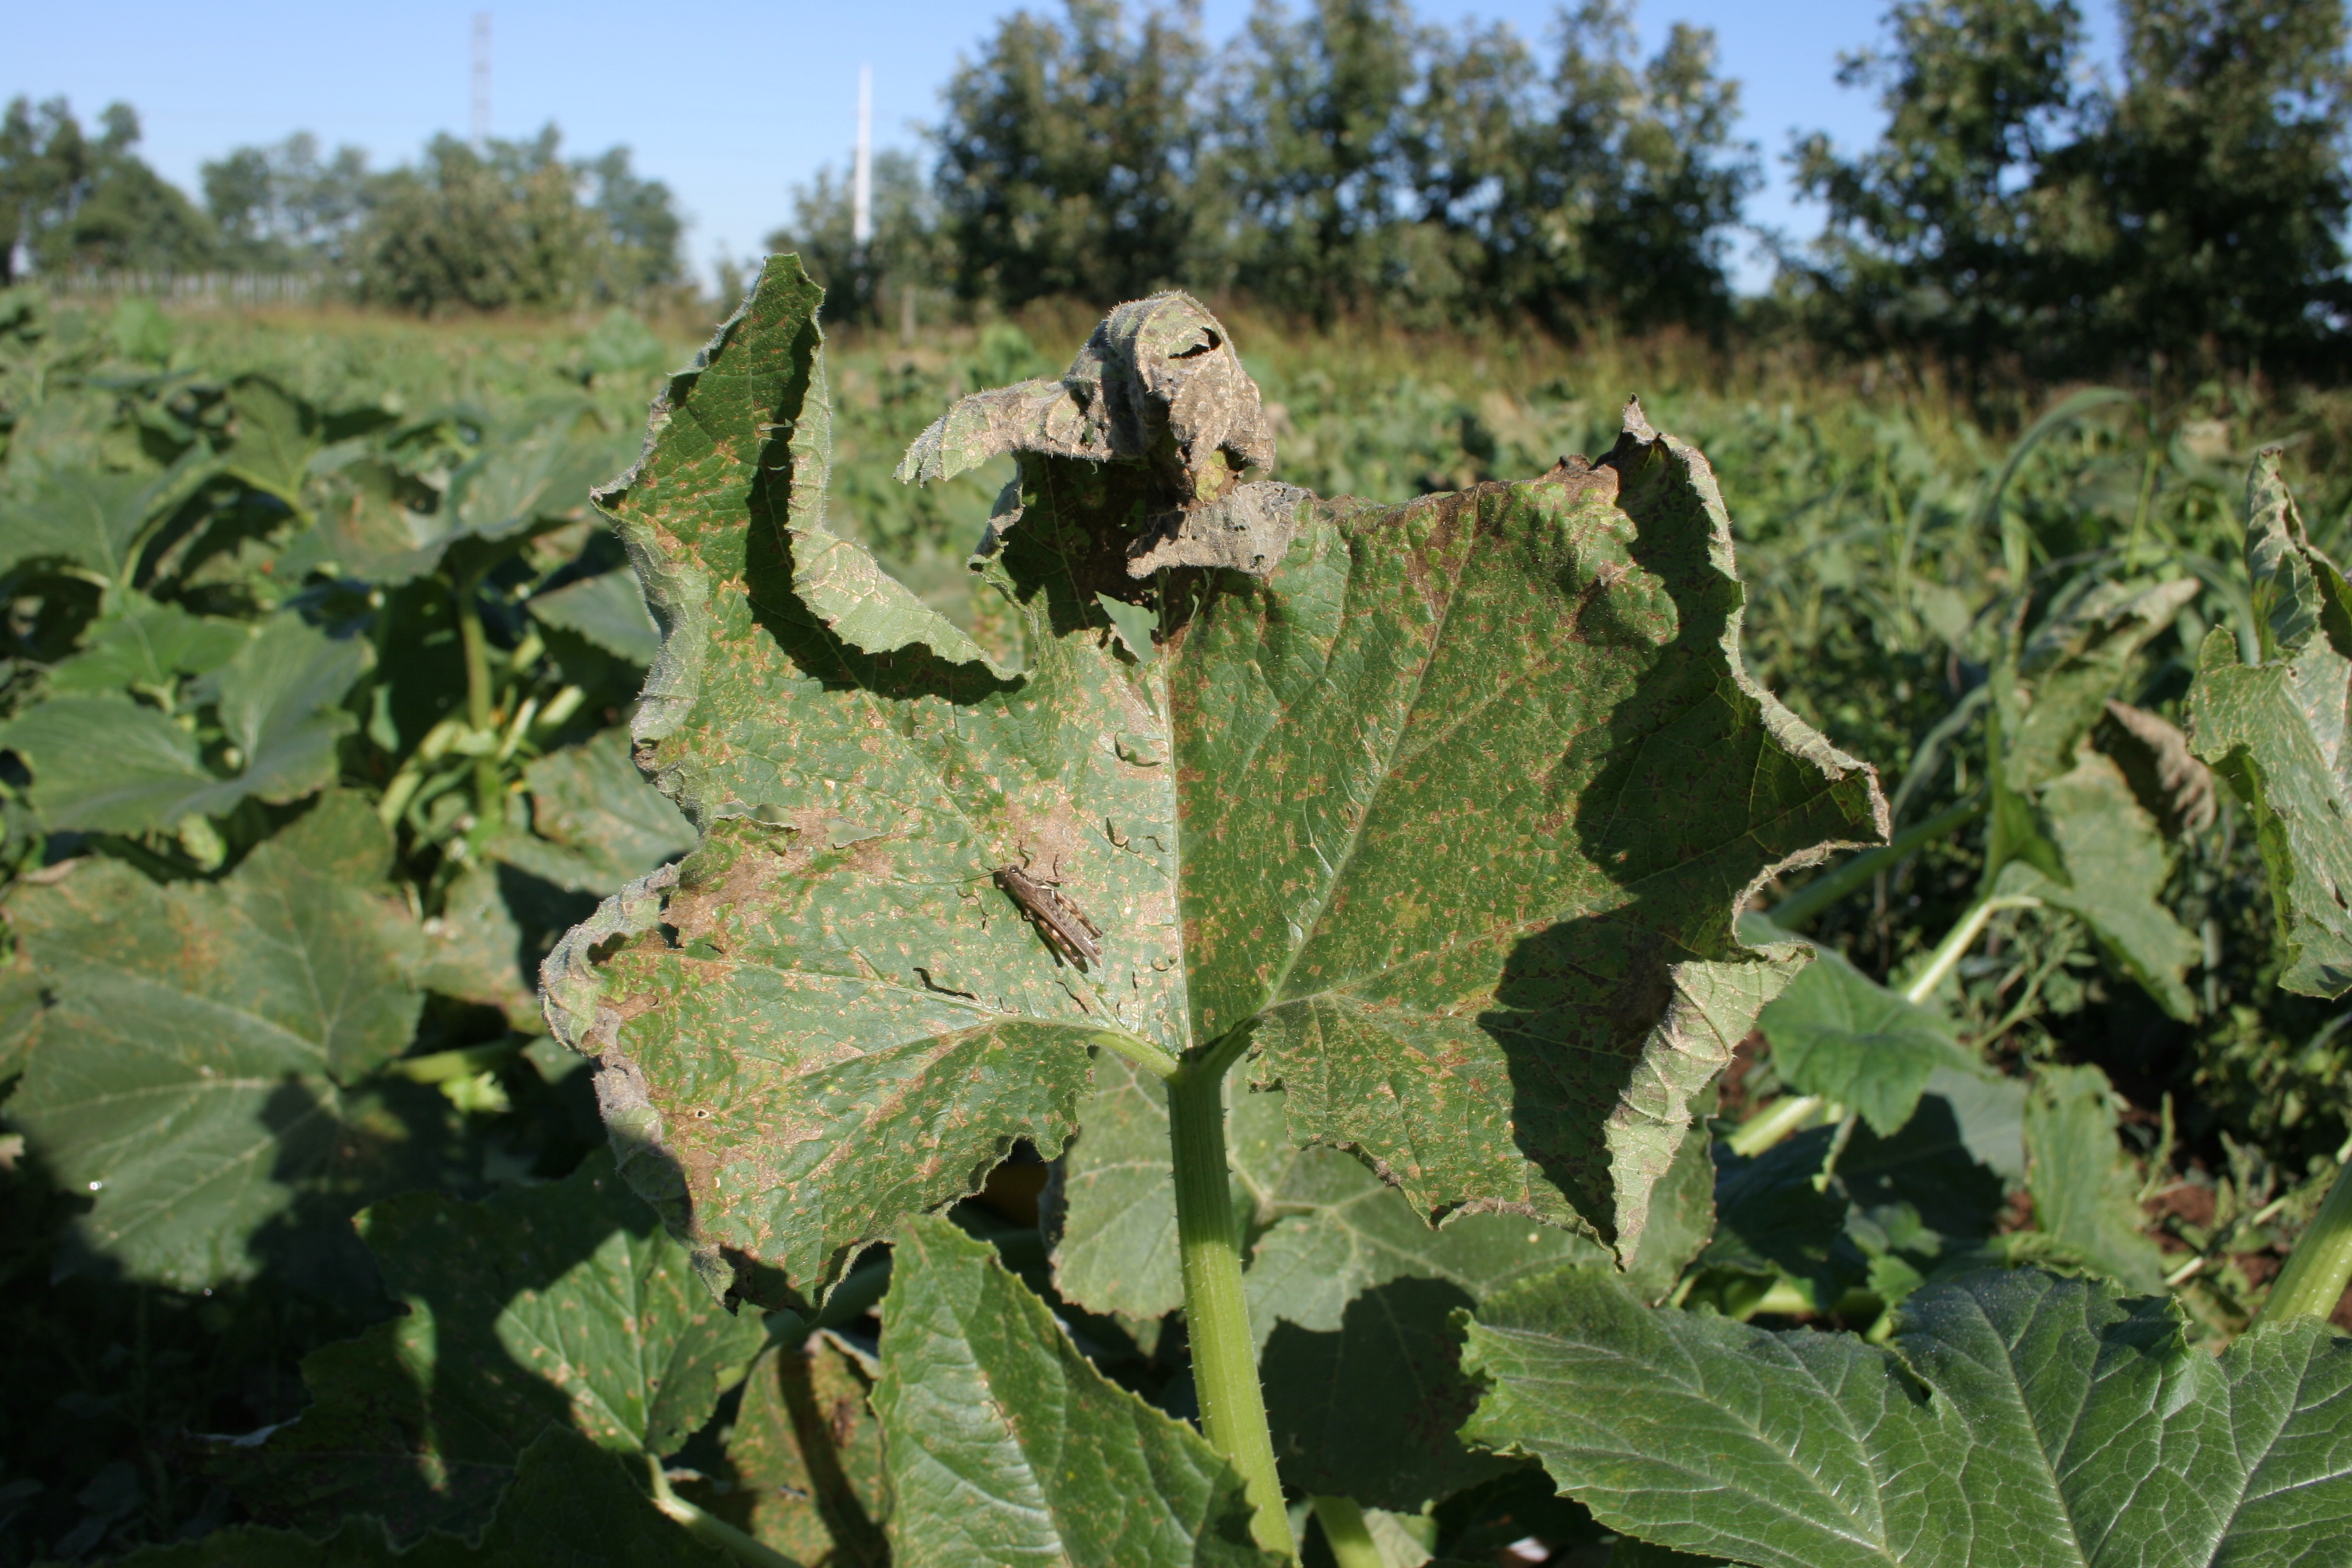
<point x="1065" y="927"/>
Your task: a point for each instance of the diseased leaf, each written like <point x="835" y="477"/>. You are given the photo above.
<point x="1506" y="1000"/>
<point x="1836" y="1033"/>
<point x="1475" y="898"/>
<point x="598" y="823"/>
<point x="562" y="1306"/>
<point x="2021" y="1418"/>
<point x="189" y="1076"/>
<point x="608" y="610"/>
<point x="2085" y="1190"/>
<point x="806" y="1458"/>
<point x="2276" y="732"/>
<point x="1110" y="1207"/>
<point x="1005" y="1446"/>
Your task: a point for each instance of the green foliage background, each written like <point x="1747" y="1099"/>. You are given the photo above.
<point x="258" y="546"/>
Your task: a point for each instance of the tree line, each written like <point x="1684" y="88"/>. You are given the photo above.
<point x="2025" y="203"/>
<point x="502" y="225"/>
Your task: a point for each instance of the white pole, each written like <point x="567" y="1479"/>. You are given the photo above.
<point x="861" y="176"/>
<point x="481" y="81"/>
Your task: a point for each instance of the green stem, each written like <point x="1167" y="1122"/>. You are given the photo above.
<point x="1142" y="1053"/>
<point x="2321" y="1265"/>
<point x="1824" y="890"/>
<point x="1345" y="1532"/>
<point x="463" y="1062"/>
<point x="1955" y="945"/>
<point x="711" y="1530"/>
<point x="488" y="799"/>
<point x="1754" y="1136"/>
<point x="1216" y="1314"/>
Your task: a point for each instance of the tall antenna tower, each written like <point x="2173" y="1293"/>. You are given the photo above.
<point x="481" y="81"/>
<point x="861" y="171"/>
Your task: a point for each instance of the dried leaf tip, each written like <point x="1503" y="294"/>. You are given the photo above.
<point x="1157" y="381"/>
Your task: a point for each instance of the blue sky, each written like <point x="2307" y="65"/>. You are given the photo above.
<point x="731" y="103"/>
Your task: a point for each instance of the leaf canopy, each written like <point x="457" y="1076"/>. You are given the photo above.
<point x="2021" y="1417"/>
<point x="570" y="1505"/>
<point x="1449" y="812"/>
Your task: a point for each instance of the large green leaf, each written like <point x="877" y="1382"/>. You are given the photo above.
<point x="274" y="436"/>
<point x="2085" y="1187"/>
<point x="147" y="645"/>
<point x="531" y="474"/>
<point x="1481" y="784"/>
<point x="609" y="610"/>
<point x="562" y="1305"/>
<point x="94" y="519"/>
<point x="474" y="950"/>
<point x="107" y="763"/>
<point x="1838" y="1034"/>
<point x="2112" y="849"/>
<point x="1449" y="813"/>
<point x="1005" y="1446"/>
<point x="598" y="823"/>
<point x="2276" y="732"/>
<point x="192" y="1076"/>
<point x="2021" y="1418"/>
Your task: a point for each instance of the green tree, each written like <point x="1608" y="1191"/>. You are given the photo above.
<point x="909" y="250"/>
<point x="2204" y="214"/>
<point x="1320" y="139"/>
<point x="1932" y="235"/>
<point x="283" y="207"/>
<point x="507" y="226"/>
<point x="71" y="200"/>
<point x="639" y="226"/>
<point x="1622" y="200"/>
<point x="1070" y="153"/>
